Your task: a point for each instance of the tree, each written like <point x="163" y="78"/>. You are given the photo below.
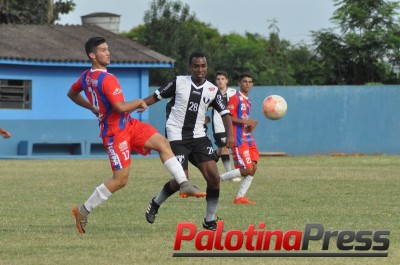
<point x="171" y="29"/>
<point x="305" y="66"/>
<point x="240" y="54"/>
<point x="369" y="41"/>
<point x="33" y="12"/>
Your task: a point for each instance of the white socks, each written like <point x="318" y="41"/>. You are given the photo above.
<point x="100" y="195"/>
<point x="175" y="169"/>
<point x="231" y="174"/>
<point x="244" y="186"/>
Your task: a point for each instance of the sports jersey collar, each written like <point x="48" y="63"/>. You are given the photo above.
<point x="196" y="86"/>
<point x="95" y="70"/>
<point x="242" y="95"/>
<point x="223" y="93"/>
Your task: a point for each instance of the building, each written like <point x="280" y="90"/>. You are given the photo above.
<point x="38" y="64"/>
<point x="104" y="20"/>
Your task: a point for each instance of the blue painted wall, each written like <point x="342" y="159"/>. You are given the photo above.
<point x="331" y="119"/>
<point x="51" y="84"/>
<point x="324" y="120"/>
<point x="53" y="115"/>
<point x="320" y="119"/>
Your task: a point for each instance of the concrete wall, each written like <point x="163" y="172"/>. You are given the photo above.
<point x="320" y="120"/>
<point x="324" y="120"/>
<point x="53" y="115"/>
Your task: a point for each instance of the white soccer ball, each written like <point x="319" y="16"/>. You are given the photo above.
<point x="274" y="107"/>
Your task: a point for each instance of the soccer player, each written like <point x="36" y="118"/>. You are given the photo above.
<point x="4" y="133"/>
<point x="245" y="153"/>
<point x="191" y="96"/>
<point x="221" y="79"/>
<point x="121" y="134"/>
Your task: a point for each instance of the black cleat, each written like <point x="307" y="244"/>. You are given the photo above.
<point x="151" y="211"/>
<point x="211" y="225"/>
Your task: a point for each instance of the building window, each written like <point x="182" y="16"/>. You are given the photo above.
<point x="15" y="94"/>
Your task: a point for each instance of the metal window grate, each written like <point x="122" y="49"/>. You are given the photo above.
<point x="15" y="94"/>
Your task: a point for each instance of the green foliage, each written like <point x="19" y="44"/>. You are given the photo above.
<point x="33" y="12"/>
<point x="369" y="42"/>
<point x="170" y="29"/>
<point x="363" y="53"/>
<point x="306" y="68"/>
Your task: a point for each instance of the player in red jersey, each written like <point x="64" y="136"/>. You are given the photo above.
<point x="245" y="153"/>
<point x="121" y="134"/>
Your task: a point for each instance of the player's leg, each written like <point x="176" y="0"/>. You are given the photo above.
<point x="154" y="204"/>
<point x="210" y="172"/>
<point x="240" y="169"/>
<point x="120" y="163"/>
<point x="202" y="157"/>
<point x="247" y="159"/>
<point x="160" y="144"/>
<point x="225" y="158"/>
<point x="222" y="151"/>
<point x="171" y="186"/>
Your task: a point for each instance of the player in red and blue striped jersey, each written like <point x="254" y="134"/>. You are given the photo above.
<point x="121" y="134"/>
<point x="245" y="154"/>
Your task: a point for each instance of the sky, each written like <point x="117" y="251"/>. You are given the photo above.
<point x="295" y="18"/>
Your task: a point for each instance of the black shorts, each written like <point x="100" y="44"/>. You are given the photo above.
<point x="195" y="151"/>
<point x="220" y="139"/>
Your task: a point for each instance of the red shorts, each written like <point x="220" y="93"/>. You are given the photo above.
<point x="243" y="156"/>
<point x="120" y="145"/>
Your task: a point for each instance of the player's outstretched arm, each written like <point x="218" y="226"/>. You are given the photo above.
<point x="150" y="100"/>
<point x="129" y="106"/>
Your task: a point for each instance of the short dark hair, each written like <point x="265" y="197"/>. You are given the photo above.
<point x="243" y="75"/>
<point x="92" y="43"/>
<point x="221" y="73"/>
<point x="197" y="54"/>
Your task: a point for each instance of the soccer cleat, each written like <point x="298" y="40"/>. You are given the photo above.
<point x="151" y="211"/>
<point x="211" y="225"/>
<point x="80" y="219"/>
<point x="188" y="190"/>
<point x="242" y="200"/>
<point x="236" y="179"/>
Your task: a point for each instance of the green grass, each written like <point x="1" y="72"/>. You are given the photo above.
<point x="342" y="193"/>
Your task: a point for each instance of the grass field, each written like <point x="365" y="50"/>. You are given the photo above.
<point x="342" y="193"/>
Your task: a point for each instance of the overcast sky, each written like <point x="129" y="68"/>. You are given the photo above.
<point x="296" y="18"/>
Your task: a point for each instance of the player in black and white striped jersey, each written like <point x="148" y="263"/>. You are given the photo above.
<point x="190" y="98"/>
<point x="218" y="128"/>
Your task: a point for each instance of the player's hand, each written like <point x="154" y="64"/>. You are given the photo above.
<point x="251" y="123"/>
<point x="5" y="134"/>
<point x="142" y="107"/>
<point x="251" y="126"/>
<point x="96" y="112"/>
<point x="230" y="141"/>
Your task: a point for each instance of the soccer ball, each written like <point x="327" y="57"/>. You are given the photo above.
<point x="274" y="107"/>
